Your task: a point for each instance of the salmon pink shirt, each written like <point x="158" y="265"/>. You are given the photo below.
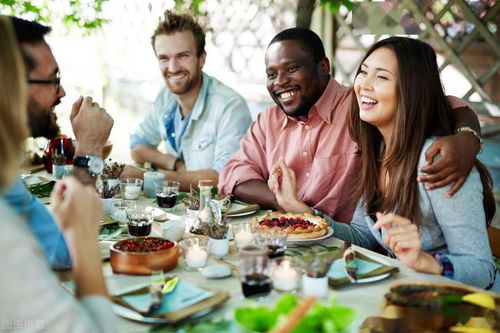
<point x="319" y="150"/>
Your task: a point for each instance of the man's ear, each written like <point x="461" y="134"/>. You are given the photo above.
<point x="203" y="57"/>
<point x="324" y="66"/>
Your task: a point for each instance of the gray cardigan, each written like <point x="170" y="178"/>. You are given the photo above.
<point x="454" y="227"/>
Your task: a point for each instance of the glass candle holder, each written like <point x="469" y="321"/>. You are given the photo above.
<point x="131" y="188"/>
<point x="285" y="274"/>
<point x="150" y="179"/>
<point x="194" y="252"/>
<point x="242" y="234"/>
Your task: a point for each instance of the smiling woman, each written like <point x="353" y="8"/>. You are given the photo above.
<point x="399" y="110"/>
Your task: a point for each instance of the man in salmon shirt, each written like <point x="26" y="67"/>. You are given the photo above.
<point x="307" y="130"/>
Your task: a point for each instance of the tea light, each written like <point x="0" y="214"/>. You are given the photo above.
<point x="243" y="238"/>
<point x="285" y="277"/>
<point x="132" y="192"/>
<point x="196" y="257"/>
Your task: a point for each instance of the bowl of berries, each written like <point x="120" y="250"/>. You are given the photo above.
<point x="143" y="255"/>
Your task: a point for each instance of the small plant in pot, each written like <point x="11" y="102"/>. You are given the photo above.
<point x="112" y="170"/>
<point x="107" y="191"/>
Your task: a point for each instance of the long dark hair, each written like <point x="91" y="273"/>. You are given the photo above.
<point x="423" y="111"/>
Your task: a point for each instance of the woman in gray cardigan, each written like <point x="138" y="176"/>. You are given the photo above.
<point x="400" y="107"/>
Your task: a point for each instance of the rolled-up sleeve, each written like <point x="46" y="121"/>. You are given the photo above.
<point x="232" y="126"/>
<point x="250" y="161"/>
<point x="148" y="132"/>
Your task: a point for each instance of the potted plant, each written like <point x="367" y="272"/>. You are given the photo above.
<point x="107" y="191"/>
<point x="112" y="171"/>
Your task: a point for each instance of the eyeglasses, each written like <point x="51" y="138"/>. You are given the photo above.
<point x="56" y="82"/>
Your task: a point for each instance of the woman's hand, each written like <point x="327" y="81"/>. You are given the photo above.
<point x="403" y="238"/>
<point x="283" y="184"/>
<point x="76" y="209"/>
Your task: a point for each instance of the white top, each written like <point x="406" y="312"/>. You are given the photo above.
<point x="31" y="297"/>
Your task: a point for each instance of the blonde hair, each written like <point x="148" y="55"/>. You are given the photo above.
<point x="173" y="22"/>
<point x="13" y="118"/>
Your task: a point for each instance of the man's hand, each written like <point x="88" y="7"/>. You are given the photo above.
<point x="91" y="126"/>
<point x="132" y="172"/>
<point x="458" y="155"/>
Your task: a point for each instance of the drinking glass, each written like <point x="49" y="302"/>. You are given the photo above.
<point x="118" y="210"/>
<point x="254" y="275"/>
<point x="139" y="221"/>
<point x="274" y="240"/>
<point x="166" y="194"/>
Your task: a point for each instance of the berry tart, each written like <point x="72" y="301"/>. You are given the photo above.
<point x="143" y="255"/>
<point x="298" y="226"/>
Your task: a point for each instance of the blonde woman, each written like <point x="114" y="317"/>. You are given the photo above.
<point x="30" y="295"/>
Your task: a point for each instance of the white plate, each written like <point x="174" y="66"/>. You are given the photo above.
<point x="374" y="278"/>
<point x="237" y="205"/>
<point x="329" y="232"/>
<point x="378" y="277"/>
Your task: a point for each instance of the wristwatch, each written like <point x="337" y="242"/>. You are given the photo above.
<point x="93" y="164"/>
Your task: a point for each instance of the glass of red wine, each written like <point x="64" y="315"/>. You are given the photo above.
<point x="274" y="240"/>
<point x="166" y="194"/>
<point x="61" y="145"/>
<point x="139" y="221"/>
<point x="254" y="272"/>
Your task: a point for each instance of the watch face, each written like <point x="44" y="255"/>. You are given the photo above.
<point x="96" y="164"/>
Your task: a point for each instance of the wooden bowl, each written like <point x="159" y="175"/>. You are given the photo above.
<point x="106" y="150"/>
<point x="143" y="263"/>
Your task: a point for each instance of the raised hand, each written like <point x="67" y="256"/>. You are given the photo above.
<point x="403" y="238"/>
<point x="91" y="125"/>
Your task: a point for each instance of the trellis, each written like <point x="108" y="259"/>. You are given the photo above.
<point x="429" y="19"/>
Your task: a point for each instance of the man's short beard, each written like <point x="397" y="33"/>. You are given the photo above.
<point x="40" y="121"/>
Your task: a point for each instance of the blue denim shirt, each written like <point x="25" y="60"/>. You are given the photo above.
<point x="41" y="223"/>
<point x="218" y="121"/>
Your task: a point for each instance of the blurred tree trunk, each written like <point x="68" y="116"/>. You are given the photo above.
<point x="305" y="10"/>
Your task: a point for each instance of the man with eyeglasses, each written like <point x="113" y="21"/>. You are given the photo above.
<point x="91" y="126"/>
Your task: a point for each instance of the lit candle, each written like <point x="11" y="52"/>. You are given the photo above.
<point x="243" y="238"/>
<point x="285" y="277"/>
<point x="196" y="257"/>
<point x="132" y="192"/>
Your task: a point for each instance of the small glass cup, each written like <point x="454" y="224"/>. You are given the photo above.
<point x="274" y="240"/>
<point x="131" y="188"/>
<point x="254" y="275"/>
<point x="242" y="234"/>
<point x="139" y="221"/>
<point x="166" y="194"/>
<point x="194" y="252"/>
